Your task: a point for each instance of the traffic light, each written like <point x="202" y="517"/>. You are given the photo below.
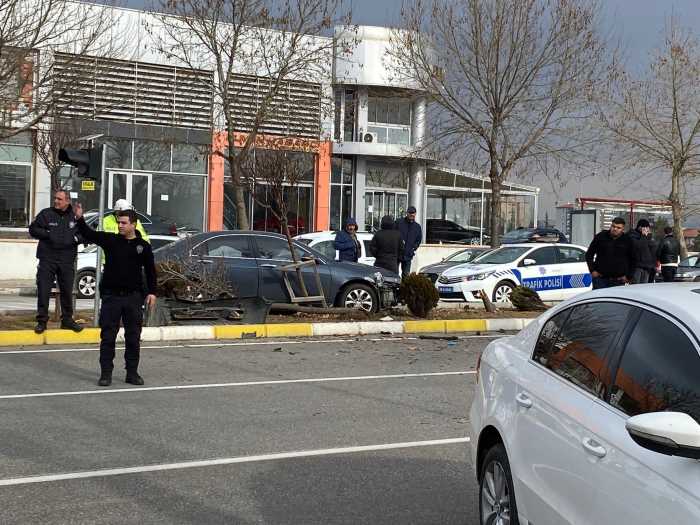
<point x="87" y="161"/>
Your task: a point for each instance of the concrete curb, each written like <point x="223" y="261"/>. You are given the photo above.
<point x="188" y="333"/>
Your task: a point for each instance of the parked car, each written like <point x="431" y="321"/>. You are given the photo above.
<point x="433" y="271"/>
<point x="252" y="261"/>
<point x="556" y="272"/>
<point x="590" y="414"/>
<point x="85" y="281"/>
<point x="153" y="224"/>
<point x="324" y="242"/>
<point x="534" y="235"/>
<point x="688" y="270"/>
<point x="443" y="231"/>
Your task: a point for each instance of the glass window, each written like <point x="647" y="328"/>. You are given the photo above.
<point x="15" y="184"/>
<point x="277" y="249"/>
<point x="189" y="158"/>
<point x="326" y="248"/>
<point x="179" y="199"/>
<point x="118" y="153"/>
<point x="349" y="121"/>
<point x="399" y="136"/>
<point x="544" y="256"/>
<point x="372" y="109"/>
<point x="579" y="353"/>
<point x="658" y="371"/>
<point x="548" y="335"/>
<point x="10" y="153"/>
<point x="151" y="155"/>
<point x="393" y="107"/>
<point x="381" y="133"/>
<point x="225" y="246"/>
<point x="405" y="112"/>
<point x="571" y="255"/>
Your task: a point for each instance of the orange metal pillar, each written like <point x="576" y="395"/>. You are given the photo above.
<point x="215" y="220"/>
<point x="323" y="186"/>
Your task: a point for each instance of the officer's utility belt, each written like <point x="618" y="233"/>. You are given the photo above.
<point x="120" y="293"/>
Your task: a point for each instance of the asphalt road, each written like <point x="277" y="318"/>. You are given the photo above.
<point x="368" y="430"/>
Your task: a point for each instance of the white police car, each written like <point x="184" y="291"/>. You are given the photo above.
<point x="555" y="271"/>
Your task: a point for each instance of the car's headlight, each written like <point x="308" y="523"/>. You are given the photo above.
<point x="378" y="278"/>
<point x="477" y="277"/>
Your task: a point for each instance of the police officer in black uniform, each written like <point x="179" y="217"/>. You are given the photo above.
<point x="126" y="255"/>
<point x="58" y="242"/>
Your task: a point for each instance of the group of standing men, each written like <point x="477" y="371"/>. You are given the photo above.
<point x="394" y="245"/>
<point x="128" y="256"/>
<point x="616" y="258"/>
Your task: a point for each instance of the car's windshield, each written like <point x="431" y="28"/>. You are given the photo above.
<point x="305" y="241"/>
<point x="462" y="256"/>
<point x="502" y="255"/>
<point x="690" y="261"/>
<point x="517" y="234"/>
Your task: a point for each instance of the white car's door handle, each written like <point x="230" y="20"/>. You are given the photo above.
<point x="523" y="400"/>
<point x="593" y="447"/>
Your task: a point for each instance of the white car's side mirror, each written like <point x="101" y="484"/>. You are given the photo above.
<point x="670" y="433"/>
<point x="529" y="262"/>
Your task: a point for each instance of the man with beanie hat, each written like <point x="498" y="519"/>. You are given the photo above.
<point x="412" y="235"/>
<point x="644" y="252"/>
<point x="346" y="242"/>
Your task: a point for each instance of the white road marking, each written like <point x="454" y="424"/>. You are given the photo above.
<point x="227" y="461"/>
<point x="246" y="343"/>
<point x="238" y="384"/>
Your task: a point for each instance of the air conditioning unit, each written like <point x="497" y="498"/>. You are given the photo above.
<point x="369" y="137"/>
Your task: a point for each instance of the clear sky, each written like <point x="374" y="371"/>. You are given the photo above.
<point x="637" y="24"/>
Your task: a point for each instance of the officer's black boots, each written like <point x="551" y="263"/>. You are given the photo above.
<point x="105" y="379"/>
<point x="70" y="324"/>
<point x="134" y="378"/>
<point x="40" y="328"/>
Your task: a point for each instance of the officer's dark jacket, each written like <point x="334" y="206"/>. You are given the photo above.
<point x="611" y="257"/>
<point x="124" y="259"/>
<point x="57" y="233"/>
<point x="669" y="250"/>
<point x="387" y="246"/>
<point x="644" y="250"/>
<point x="412" y="235"/>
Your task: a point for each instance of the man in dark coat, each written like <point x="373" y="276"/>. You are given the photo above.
<point x="669" y="255"/>
<point x="412" y="235"/>
<point x="346" y="242"/>
<point x="58" y="246"/>
<point x="610" y="256"/>
<point x="644" y="251"/>
<point x="387" y="246"/>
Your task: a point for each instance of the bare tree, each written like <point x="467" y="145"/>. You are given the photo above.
<point x="48" y="141"/>
<point x="272" y="42"/>
<point x="279" y="172"/>
<point x="30" y="31"/>
<point x="509" y="80"/>
<point x="654" y="118"/>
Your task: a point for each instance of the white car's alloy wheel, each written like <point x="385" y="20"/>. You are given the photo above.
<point x="501" y="294"/>
<point x="495" y="496"/>
<point x="86" y="285"/>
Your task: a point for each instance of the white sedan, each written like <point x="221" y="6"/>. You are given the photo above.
<point x="555" y="271"/>
<point x="590" y="414"/>
<point x="324" y="242"/>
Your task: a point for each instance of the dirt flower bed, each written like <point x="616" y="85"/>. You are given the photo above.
<point x="26" y="321"/>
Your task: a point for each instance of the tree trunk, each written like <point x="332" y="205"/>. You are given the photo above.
<point x="495" y="215"/>
<point x="239" y="195"/>
<point x="677" y="210"/>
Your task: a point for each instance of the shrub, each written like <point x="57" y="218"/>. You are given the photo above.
<point x="524" y="299"/>
<point x="419" y="294"/>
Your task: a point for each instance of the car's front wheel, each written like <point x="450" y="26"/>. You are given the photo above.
<point x="496" y="496"/>
<point x="502" y="291"/>
<point x="359" y="296"/>
<point x="86" y="285"/>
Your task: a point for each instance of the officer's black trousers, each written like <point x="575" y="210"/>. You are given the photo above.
<point x="125" y="308"/>
<point x="63" y="273"/>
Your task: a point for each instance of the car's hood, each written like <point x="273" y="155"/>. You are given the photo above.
<point x="439" y="267"/>
<point x="688" y="270"/>
<point x="363" y="270"/>
<point x="472" y="269"/>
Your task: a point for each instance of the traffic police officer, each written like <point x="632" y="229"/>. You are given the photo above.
<point x="58" y="243"/>
<point x="127" y="254"/>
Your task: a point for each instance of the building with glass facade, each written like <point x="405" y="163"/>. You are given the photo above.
<point x="164" y="150"/>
